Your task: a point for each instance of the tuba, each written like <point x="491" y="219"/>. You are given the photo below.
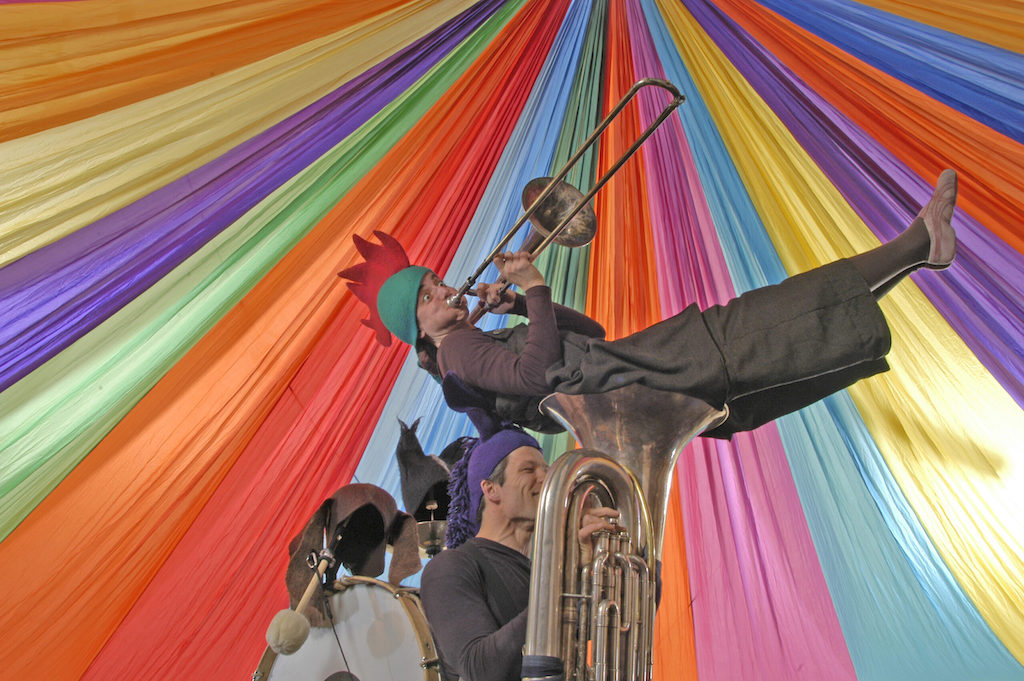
<point x="596" y="621"/>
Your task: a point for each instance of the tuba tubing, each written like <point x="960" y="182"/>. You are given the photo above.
<point x="570" y="473"/>
<point x="632" y="438"/>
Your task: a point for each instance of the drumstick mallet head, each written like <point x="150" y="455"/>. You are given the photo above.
<point x="287" y="631"/>
<point x="290" y="628"/>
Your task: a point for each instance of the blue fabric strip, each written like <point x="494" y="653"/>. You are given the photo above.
<point x="528" y="154"/>
<point x="980" y="80"/>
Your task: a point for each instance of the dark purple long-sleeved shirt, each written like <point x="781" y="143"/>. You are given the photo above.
<point x="485" y="363"/>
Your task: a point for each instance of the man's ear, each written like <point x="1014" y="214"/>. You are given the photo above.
<point x="491" y="491"/>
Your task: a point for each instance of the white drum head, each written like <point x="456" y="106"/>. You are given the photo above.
<point x="382" y="631"/>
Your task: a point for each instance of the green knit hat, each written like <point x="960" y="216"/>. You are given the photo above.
<point x="396" y="302"/>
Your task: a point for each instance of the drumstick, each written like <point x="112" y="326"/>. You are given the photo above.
<point x="289" y="628"/>
<point x="314" y="584"/>
<point x="266" y="663"/>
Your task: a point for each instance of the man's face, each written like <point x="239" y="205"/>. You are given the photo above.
<point x="519" y="495"/>
<point x="433" y="315"/>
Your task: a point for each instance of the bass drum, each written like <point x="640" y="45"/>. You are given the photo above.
<point x="380" y="627"/>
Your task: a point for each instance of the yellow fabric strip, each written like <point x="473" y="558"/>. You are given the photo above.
<point x="56" y="182"/>
<point x="949" y="433"/>
<point x="61" y="73"/>
<point x="996" y="22"/>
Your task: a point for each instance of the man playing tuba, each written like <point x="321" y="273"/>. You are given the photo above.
<point x="475" y="596"/>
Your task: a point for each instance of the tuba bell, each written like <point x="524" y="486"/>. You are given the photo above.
<point x="596" y="621"/>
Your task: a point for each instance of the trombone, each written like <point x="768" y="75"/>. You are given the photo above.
<point x="560" y="212"/>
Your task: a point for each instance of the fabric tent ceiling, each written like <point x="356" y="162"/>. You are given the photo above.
<point x="184" y="377"/>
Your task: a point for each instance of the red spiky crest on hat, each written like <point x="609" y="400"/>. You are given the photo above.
<point x="366" y="278"/>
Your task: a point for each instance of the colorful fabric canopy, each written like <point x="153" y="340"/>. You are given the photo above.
<point x="184" y="377"/>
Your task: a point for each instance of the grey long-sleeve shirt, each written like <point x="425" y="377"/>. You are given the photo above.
<point x="474" y="642"/>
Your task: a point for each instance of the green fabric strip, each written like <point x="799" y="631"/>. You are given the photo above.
<point x="566" y="269"/>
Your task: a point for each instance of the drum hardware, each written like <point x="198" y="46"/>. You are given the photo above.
<point x="265" y="664"/>
<point x="320" y="561"/>
<point x="431" y="532"/>
<point x="342" y="676"/>
<point x="560" y="212"/>
<point x="348" y="581"/>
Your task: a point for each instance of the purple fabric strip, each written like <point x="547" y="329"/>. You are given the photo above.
<point x="55" y="295"/>
<point x="982" y="295"/>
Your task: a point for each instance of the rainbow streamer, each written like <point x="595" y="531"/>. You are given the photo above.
<point x="184" y="378"/>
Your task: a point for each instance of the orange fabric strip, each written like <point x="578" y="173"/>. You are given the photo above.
<point x="167" y="473"/>
<point x="675" y="649"/>
<point x="995" y="22"/>
<point x="623" y="295"/>
<point x="92" y="59"/>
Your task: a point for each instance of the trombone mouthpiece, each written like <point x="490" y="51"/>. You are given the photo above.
<point x="455" y="300"/>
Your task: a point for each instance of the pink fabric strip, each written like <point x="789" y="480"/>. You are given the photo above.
<point x="761" y="606"/>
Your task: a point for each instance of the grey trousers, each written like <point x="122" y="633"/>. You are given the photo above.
<point x="767" y="353"/>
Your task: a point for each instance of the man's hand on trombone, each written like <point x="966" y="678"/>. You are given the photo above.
<point x="515" y="268"/>
<point x="494" y="298"/>
<point x="518" y="269"/>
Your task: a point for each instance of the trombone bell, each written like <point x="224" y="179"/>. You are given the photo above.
<point x="553" y="210"/>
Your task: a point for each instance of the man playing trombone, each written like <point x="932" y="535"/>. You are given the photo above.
<point x="764" y="354"/>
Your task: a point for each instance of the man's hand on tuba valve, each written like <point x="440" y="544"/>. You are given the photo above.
<point x="595" y="520"/>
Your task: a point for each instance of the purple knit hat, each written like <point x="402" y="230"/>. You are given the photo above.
<point x="496" y="441"/>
